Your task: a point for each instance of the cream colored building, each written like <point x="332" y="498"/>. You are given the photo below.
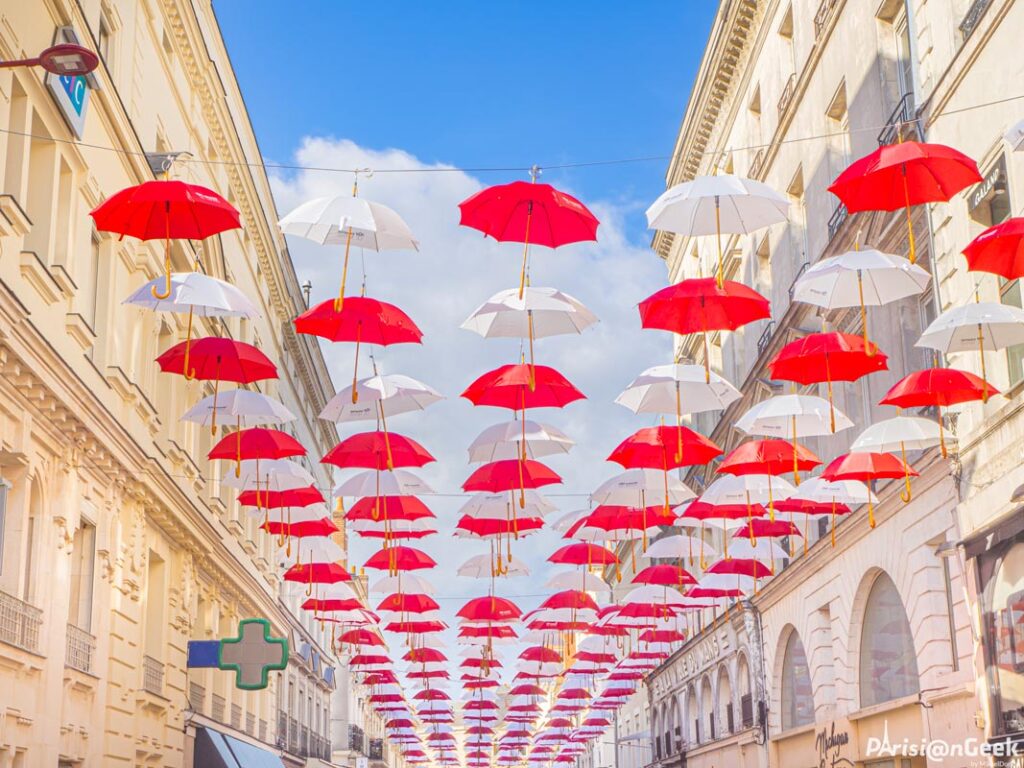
<point x="119" y="544"/>
<point x="909" y="629"/>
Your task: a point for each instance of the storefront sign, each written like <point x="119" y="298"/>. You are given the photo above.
<point x="831" y="745"/>
<point x="702" y="655"/>
<point x="71" y="92"/>
<point x="987" y="185"/>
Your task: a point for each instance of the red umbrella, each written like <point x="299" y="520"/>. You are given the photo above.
<point x="400" y="558"/>
<point x="670" y="575"/>
<point x="388" y="508"/>
<point x="425" y="656"/>
<point x="938" y="387"/>
<point x="699" y="305"/>
<point x="809" y="507"/>
<point x="404" y="602"/>
<point x="526" y="213"/>
<point x="377" y="450"/>
<point x="489" y="609"/>
<point x="295" y="497"/>
<point x="522" y="386"/>
<point x="164" y="209"/>
<point x="900" y="175"/>
<point x="612" y="518"/>
<point x="741" y="566"/>
<point x="570" y="598"/>
<point x="827" y="357"/>
<point x="509" y="474"/>
<point x="322" y="527"/>
<point x="216" y="359"/>
<point x="584" y="553"/>
<point x="317" y="573"/>
<point x="256" y="443"/>
<point x="490" y="527"/>
<point x="362" y="320"/>
<point x="361" y="637"/>
<point x="999" y="250"/>
<point x="769" y="457"/>
<point x="866" y="467"/>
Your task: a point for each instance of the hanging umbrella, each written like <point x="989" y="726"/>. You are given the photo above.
<point x="583" y="554"/>
<point x="999" y="250"/>
<point x="215" y="359"/>
<point x="818" y="496"/>
<point x="392" y="394"/>
<point x="399" y="558"/>
<point x="827" y="357"/>
<point x="388" y="508"/>
<point x="793" y="416"/>
<point x="937" y="387"/>
<point x="769" y="457"/>
<point x="700" y="305"/>
<point x="165" y="209"/>
<point x="670" y="575"/>
<point x="859" y="279"/>
<point x="256" y="443"/>
<point x="352" y="221"/>
<point x="302" y="496"/>
<point x="245" y="407"/>
<point x="536" y="314"/>
<point x="198" y="295"/>
<point x="677" y="388"/>
<point x="902" y="433"/>
<point x="362" y="320"/>
<point x="528" y="213"/>
<point x="377" y="450"/>
<point x="481" y="567"/>
<point x="976" y="326"/>
<point x="713" y="205"/>
<point x="518" y="439"/>
<point x="407" y="581"/>
<point x="398" y="482"/>
<point x="510" y="474"/>
<point x="581" y="580"/>
<point x="518" y="387"/>
<point x="900" y="175"/>
<point x="640" y="488"/>
<point x="867" y="467"/>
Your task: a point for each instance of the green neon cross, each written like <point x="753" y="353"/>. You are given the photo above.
<point x="253" y="654"/>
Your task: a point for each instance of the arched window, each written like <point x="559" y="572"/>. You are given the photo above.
<point x="707" y="710"/>
<point x="743" y="688"/>
<point x="797" y="695"/>
<point x="888" y="663"/>
<point x="693" y="726"/>
<point x="726" y="718"/>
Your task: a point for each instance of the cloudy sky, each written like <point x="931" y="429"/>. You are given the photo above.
<point x="405" y="87"/>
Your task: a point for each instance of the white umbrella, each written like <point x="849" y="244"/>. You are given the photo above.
<point x="792" y="416"/>
<point x="398" y="482"/>
<point x="858" y="279"/>
<point x="541" y="312"/>
<point x="566" y="520"/>
<point x="515" y="439"/>
<point x="764" y="549"/>
<point x="269" y="474"/>
<point x="482" y="567"/>
<point x="245" y="407"/>
<point x="711" y="205"/>
<point x="849" y="493"/>
<point x="902" y="434"/>
<point x="975" y="326"/>
<point x="655" y="594"/>
<point x="391" y="393"/>
<point x="581" y="580"/>
<point x="678" y="547"/>
<point x="641" y="488"/>
<point x="352" y="221"/>
<point x="679" y="389"/>
<point x="407" y="581"/>
<point x="311" y="549"/>
<point x="498" y="506"/>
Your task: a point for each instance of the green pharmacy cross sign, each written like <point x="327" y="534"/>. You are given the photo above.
<point x="251" y="656"/>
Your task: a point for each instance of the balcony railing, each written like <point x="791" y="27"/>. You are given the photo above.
<point x="250" y="723"/>
<point x="799" y="274"/>
<point x="152" y="676"/>
<point x="972" y="17"/>
<point x="236" y="717"/>
<point x="80" y="650"/>
<point x="217" y="708"/>
<point x="836" y="220"/>
<point x="299" y="739"/>
<point x="376" y="749"/>
<point x="902" y="123"/>
<point x="821" y="18"/>
<point x="787" y="94"/>
<point x="196" y="697"/>
<point x="356" y="739"/>
<point x="756" y="163"/>
<point x="766" y="337"/>
<point x="19" y="623"/>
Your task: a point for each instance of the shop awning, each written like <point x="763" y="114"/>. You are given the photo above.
<point x="219" y="750"/>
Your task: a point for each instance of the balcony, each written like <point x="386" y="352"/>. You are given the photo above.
<point x="356" y="739"/>
<point x="901" y="124"/>
<point x="835" y="221"/>
<point x="787" y="94"/>
<point x="80" y="649"/>
<point x="766" y="337"/>
<point x="822" y="17"/>
<point x="972" y="18"/>
<point x="799" y="274"/>
<point x="19" y="623"/>
<point x="152" y="676"/>
<point x="756" y="164"/>
<point x="298" y="739"/>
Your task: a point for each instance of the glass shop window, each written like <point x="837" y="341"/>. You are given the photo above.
<point x="1004" y="630"/>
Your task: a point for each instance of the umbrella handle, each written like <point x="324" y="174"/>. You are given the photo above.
<point x="355" y="366"/>
<point x="167" y="269"/>
<point x="720" y="275"/>
<point x="187" y="370"/>
<point x="981" y="352"/>
<point x="526" y="248"/>
<point x="863" y="318"/>
<point x="906" y="493"/>
<point x="912" y="256"/>
<point x="340" y="301"/>
<point x="679" y="432"/>
<point x="533" y="368"/>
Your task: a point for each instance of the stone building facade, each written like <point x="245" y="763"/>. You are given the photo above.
<point x="118" y="543"/>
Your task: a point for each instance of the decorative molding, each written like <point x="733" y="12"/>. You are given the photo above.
<point x="39" y="277"/>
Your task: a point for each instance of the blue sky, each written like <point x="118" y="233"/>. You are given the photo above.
<point x="477" y="84"/>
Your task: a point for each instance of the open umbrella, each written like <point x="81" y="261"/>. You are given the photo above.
<point x="350" y="220"/>
<point x="902" y="434"/>
<point x="700" y="305"/>
<point x="860" y="278"/>
<point x="769" y="457"/>
<point x="377" y="397"/>
<point x="901" y="175"/>
<point x="715" y="205"/>
<point x="398" y="482"/>
<point x="818" y="496"/>
<point x="999" y="250"/>
<point x="245" y="407"/>
<point x="377" y="450"/>
<point x="165" y="209"/>
<point x="518" y="439"/>
<point x="641" y="488"/>
<point x="528" y="213"/>
<point x="867" y="467"/>
<point x="256" y="443"/>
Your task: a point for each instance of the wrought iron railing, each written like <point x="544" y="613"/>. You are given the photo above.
<point x="80" y="649"/>
<point x="799" y="274"/>
<point x="756" y="163"/>
<point x="787" y="94"/>
<point x="822" y="16"/>
<point x="902" y="122"/>
<point x="152" y="676"/>
<point x="376" y="749"/>
<point x="356" y="739"/>
<point x="766" y="337"/>
<point x="19" y="623"/>
<point x="196" y="697"/>
<point x="836" y="220"/>
<point x="972" y="17"/>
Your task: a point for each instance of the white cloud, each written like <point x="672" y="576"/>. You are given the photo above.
<point x="455" y="270"/>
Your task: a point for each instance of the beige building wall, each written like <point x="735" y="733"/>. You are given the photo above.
<point x="789" y="92"/>
<point x="119" y="544"/>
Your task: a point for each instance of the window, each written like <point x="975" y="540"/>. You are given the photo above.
<point x="724" y="701"/>
<point x="888" y="662"/>
<point x="838" y="130"/>
<point x="156" y="596"/>
<point x="797" y="694"/>
<point x="1004" y="629"/>
<point x="103" y="35"/>
<point x="904" y="55"/>
<point x="83" y="561"/>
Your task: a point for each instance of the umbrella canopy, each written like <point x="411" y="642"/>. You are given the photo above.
<point x="216" y="359"/>
<point x="858" y="278"/>
<point x="640" y="488"/>
<point x="513" y="439"/>
<point x="510" y="474"/>
<point x="679" y="389"/>
<point x="999" y="250"/>
<point x="362" y="320"/>
<point x="398" y="482"/>
<point x="539" y="313"/>
<point x="522" y="386"/>
<point x="301" y="496"/>
<point x="482" y="567"/>
<point x="343" y="219"/>
<point x="768" y="457"/>
<point x="246" y="408"/>
<point x="584" y="554"/>
<point x="664" y="447"/>
<point x="792" y="416"/>
<point x="400" y="558"/>
<point x="901" y="433"/>
<point x="196" y="294"/>
<point x="866" y="467"/>
<point x="257" y="443"/>
<point x="377" y="450"/>
<point x="392" y="394"/>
